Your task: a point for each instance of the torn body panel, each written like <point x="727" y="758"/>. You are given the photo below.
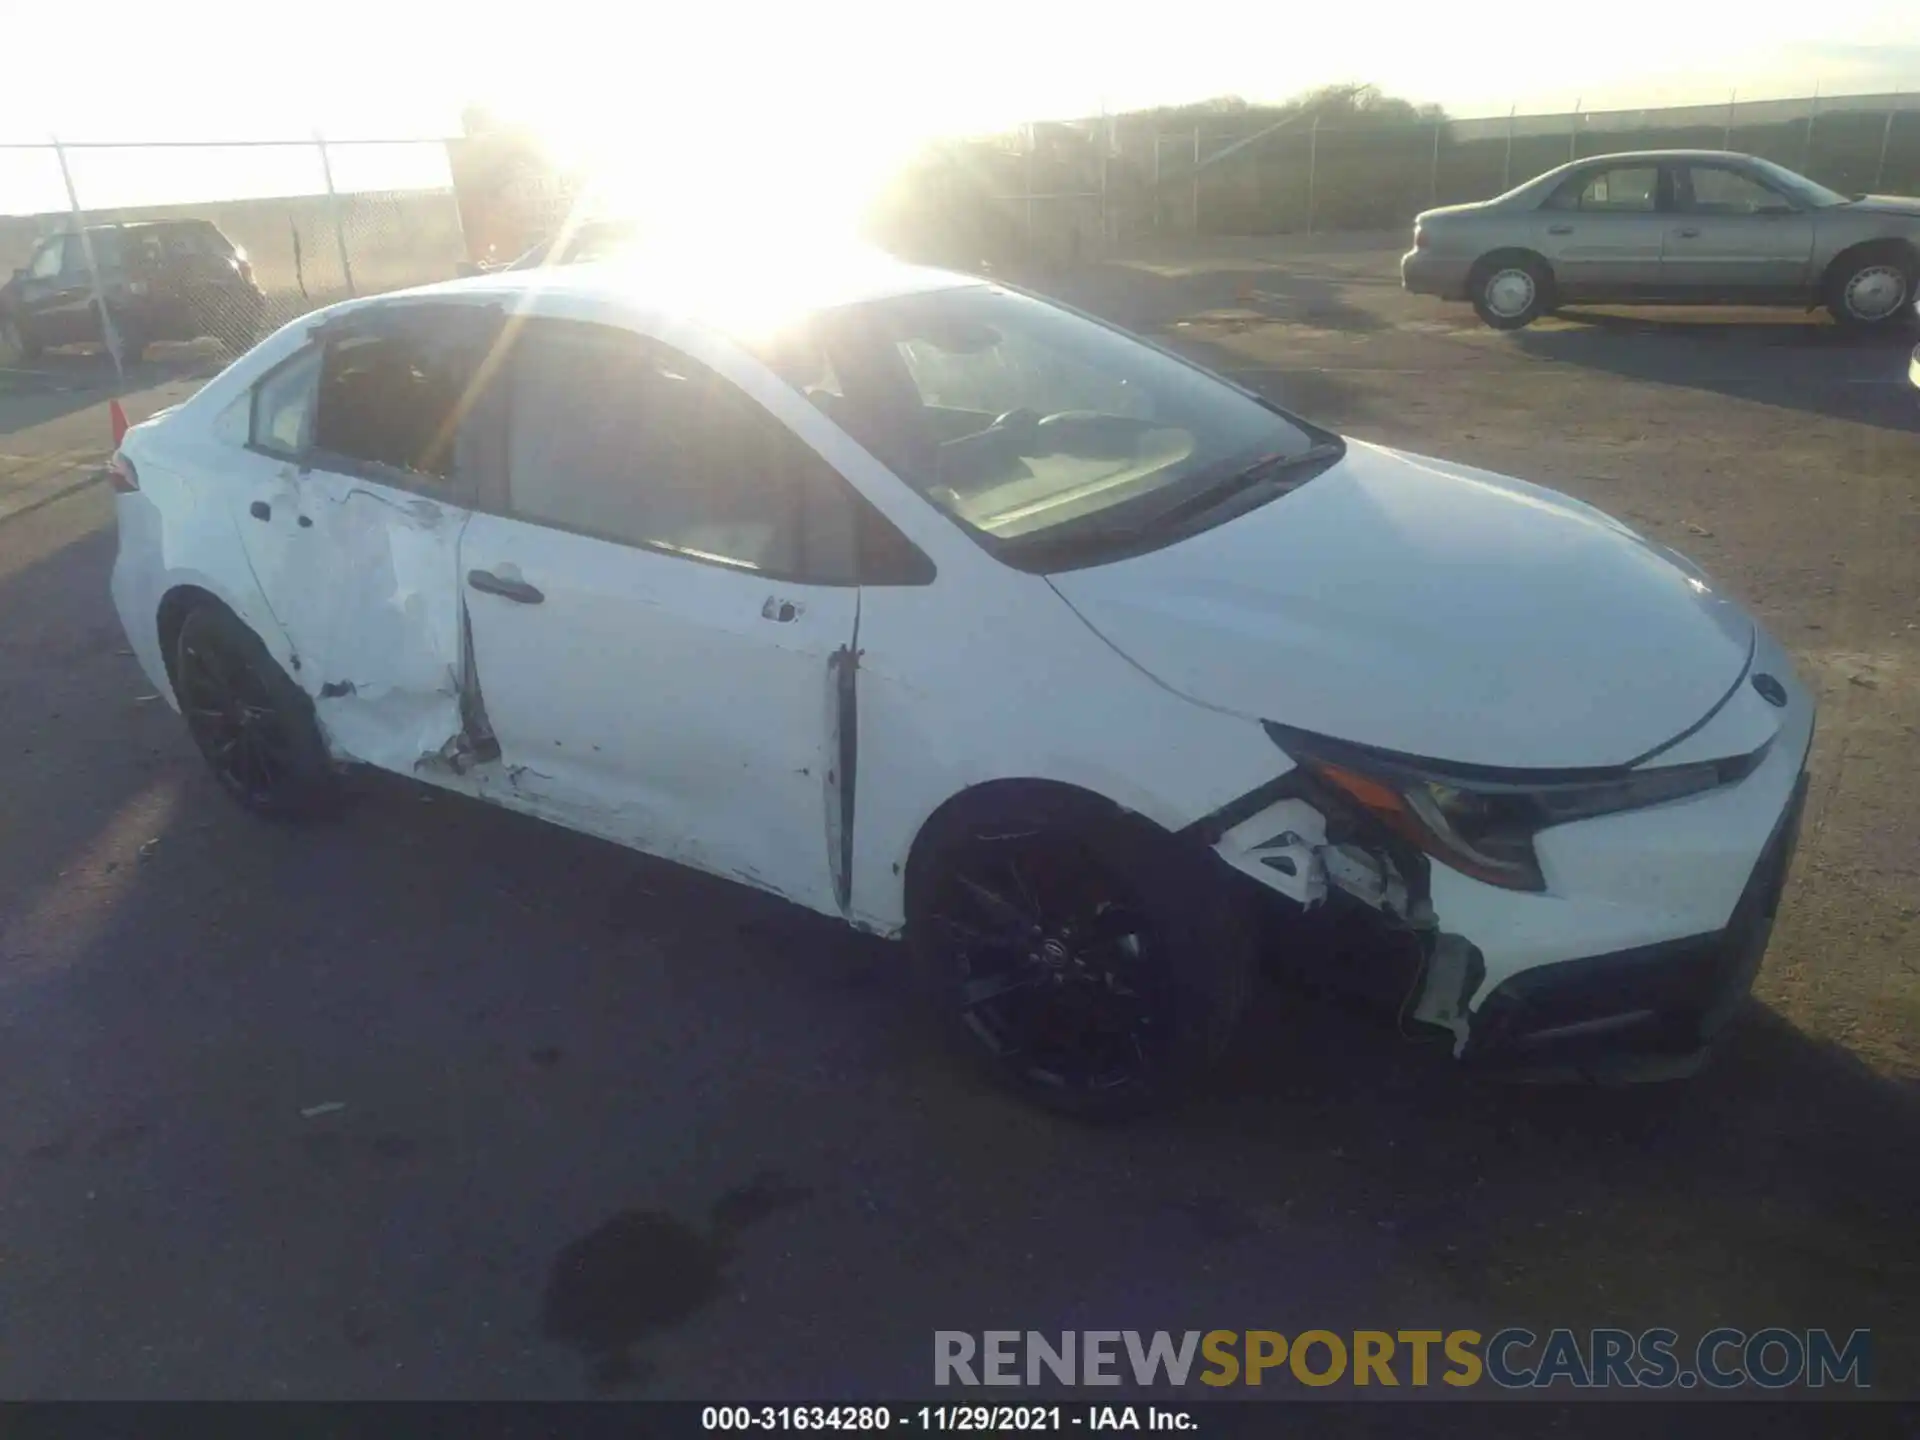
<point x="363" y="580"/>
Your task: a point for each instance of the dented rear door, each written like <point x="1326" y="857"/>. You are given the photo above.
<point x="350" y="502"/>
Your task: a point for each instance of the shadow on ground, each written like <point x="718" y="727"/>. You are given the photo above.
<point x="1797" y="363"/>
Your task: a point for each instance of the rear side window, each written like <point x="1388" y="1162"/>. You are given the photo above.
<point x="283" y="403"/>
<point x="615" y="436"/>
<point x="392" y="400"/>
<point x="1629" y="188"/>
<point x="46" y="261"/>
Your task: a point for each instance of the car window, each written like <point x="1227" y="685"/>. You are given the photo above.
<point x="107" y="250"/>
<point x="199" y="240"/>
<point x="1716" y="190"/>
<point x="283" y="403"/>
<point x="618" y="437"/>
<point x="393" y="399"/>
<point x="47" y="260"/>
<point x="1023" y="420"/>
<point x="1627" y="188"/>
<point x="1016" y="371"/>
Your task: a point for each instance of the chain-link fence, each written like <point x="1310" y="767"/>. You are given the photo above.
<point x="1249" y="175"/>
<point x="1067" y="191"/>
<point x="222" y="242"/>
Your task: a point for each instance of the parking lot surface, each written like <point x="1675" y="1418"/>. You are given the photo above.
<point x="434" y="1100"/>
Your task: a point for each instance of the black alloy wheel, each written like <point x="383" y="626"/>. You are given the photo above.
<point x="252" y="724"/>
<point x="1061" y="980"/>
<point x="234" y="722"/>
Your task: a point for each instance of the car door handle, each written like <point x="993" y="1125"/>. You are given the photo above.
<point x="1559" y="229"/>
<point x="518" y="591"/>
<point x="260" y="510"/>
<point x="781" y="612"/>
<point x="1688" y="234"/>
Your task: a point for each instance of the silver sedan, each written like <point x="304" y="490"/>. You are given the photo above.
<point x="1688" y="227"/>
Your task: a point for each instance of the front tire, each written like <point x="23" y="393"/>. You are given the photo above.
<point x="1092" y="965"/>
<point x="1871" y="289"/>
<point x="251" y="723"/>
<point x="1510" y="291"/>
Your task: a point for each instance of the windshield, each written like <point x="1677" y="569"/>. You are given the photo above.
<point x="1026" y="422"/>
<point x="1807" y="192"/>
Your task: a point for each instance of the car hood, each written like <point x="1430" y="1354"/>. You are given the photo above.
<point x="1441" y="212"/>
<point x="1430" y="609"/>
<point x="1887" y="205"/>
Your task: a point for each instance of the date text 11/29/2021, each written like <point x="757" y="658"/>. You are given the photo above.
<point x="974" y="1419"/>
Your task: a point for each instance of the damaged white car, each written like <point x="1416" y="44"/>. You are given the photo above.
<point x="938" y="608"/>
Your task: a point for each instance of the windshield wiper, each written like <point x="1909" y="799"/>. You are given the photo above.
<point x="1128" y="523"/>
<point x="1266" y="469"/>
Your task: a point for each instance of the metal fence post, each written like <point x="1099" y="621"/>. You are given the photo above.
<point x="1313" y="165"/>
<point x="1806" y="144"/>
<point x="333" y="205"/>
<point x="108" y="334"/>
<point x="1154" y="131"/>
<point x="1032" y="159"/>
<point x="1726" y="133"/>
<point x="1506" y="166"/>
<point x="1886" y="135"/>
<point x="1196" y="177"/>
<point x="1433" y="170"/>
<point x="1573" y="131"/>
<point x="1106" y="161"/>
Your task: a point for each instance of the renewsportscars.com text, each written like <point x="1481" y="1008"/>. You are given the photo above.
<point x="1512" y="1358"/>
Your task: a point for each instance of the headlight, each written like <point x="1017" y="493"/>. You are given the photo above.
<point x="1485" y="827"/>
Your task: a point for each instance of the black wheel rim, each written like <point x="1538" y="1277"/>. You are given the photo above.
<point x="1059" y="974"/>
<point x="234" y="721"/>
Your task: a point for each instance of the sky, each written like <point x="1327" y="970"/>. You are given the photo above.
<point x="756" y="82"/>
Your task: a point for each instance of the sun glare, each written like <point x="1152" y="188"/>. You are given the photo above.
<point x="736" y="177"/>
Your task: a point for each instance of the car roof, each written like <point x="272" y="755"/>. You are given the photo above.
<point x="700" y="288"/>
<point x="1665" y="155"/>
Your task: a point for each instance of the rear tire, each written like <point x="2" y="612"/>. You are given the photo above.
<point x="1871" y="288"/>
<point x="253" y="726"/>
<point x="1511" y="291"/>
<point x="1088" y="961"/>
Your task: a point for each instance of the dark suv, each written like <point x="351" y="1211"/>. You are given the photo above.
<point x="163" y="280"/>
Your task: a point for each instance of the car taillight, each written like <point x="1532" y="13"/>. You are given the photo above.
<point x="1419" y="238"/>
<point x="121" y="475"/>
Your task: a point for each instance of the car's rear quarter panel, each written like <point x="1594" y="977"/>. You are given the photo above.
<point x="178" y="530"/>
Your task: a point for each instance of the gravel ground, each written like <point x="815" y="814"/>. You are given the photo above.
<point x="437" y="1101"/>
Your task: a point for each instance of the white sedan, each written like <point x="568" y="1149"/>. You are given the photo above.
<point x="962" y="617"/>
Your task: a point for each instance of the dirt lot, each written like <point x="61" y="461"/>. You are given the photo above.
<point x="539" y="1043"/>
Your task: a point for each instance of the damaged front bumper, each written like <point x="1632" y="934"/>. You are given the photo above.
<point x="1645" y="938"/>
<point x="1650" y="1013"/>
